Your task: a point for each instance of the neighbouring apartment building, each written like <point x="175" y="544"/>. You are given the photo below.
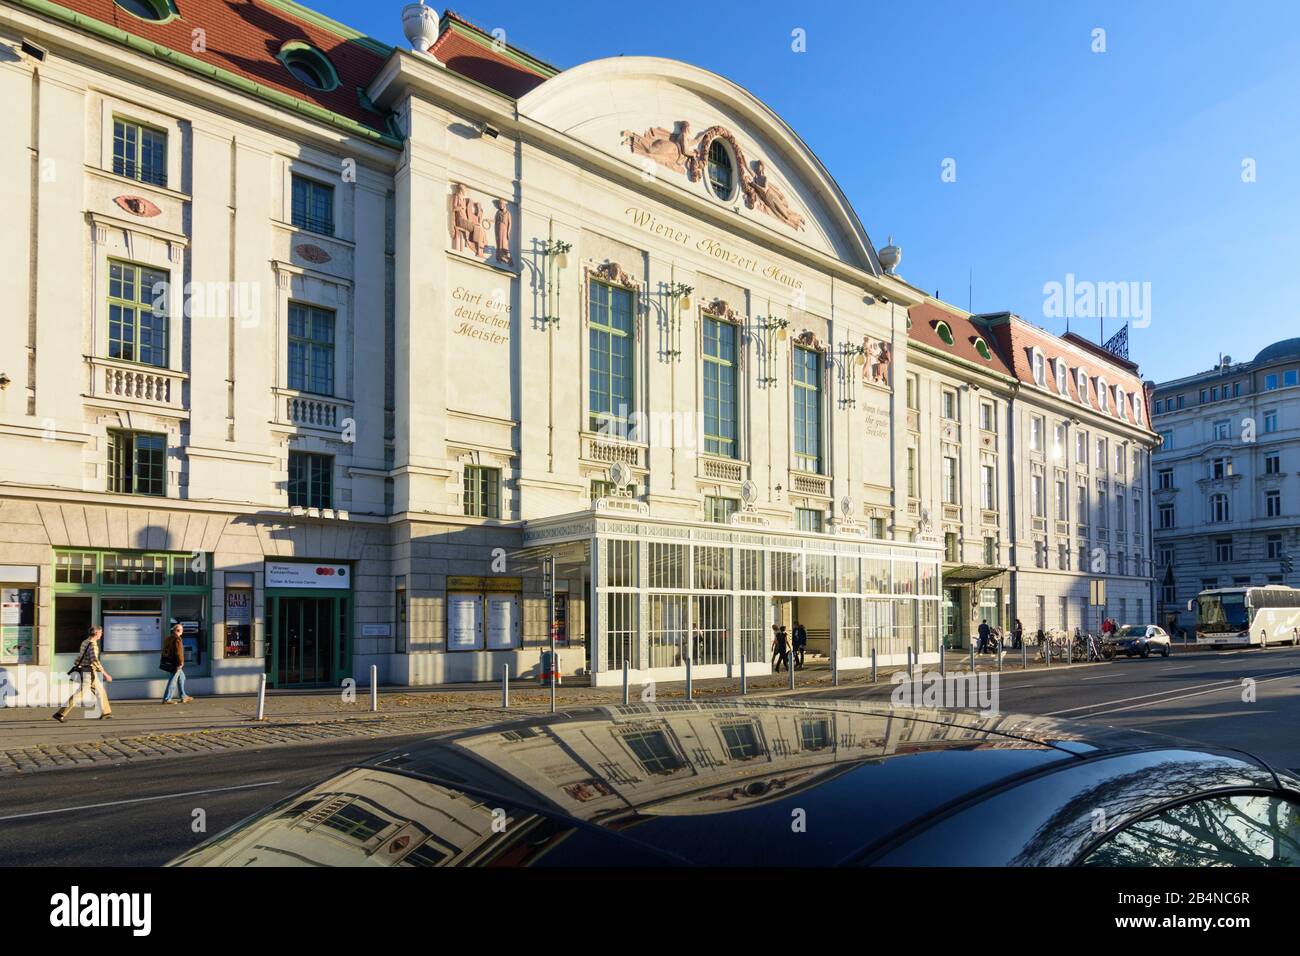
<point x="326" y="349"/>
<point x="1227" y="477"/>
<point x="1027" y="456"/>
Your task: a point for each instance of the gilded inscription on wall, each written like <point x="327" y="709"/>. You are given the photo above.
<point x="484" y="316"/>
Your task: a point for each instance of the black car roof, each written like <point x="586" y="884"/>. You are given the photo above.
<point x="745" y="783"/>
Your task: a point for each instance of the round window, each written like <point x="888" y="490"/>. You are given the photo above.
<point x="155" y="10"/>
<point x="309" y="66"/>
<point x="722" y="170"/>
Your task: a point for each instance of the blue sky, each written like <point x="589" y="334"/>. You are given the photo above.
<point x="1119" y="166"/>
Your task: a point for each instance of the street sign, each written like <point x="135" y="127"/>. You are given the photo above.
<point x="548" y="575"/>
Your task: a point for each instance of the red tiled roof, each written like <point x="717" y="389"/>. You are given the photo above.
<point x="925" y="321"/>
<point x="244" y="37"/>
<point x="1018" y="339"/>
<point x="470" y="51"/>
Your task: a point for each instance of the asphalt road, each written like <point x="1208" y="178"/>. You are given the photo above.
<point x="143" y="814"/>
<point x="1196" y="696"/>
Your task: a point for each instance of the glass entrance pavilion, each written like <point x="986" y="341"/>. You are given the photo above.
<point x="660" y="591"/>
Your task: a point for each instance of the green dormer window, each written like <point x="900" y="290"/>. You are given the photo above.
<point x="944" y="333"/>
<point x="156" y="11"/>
<point x="982" y="348"/>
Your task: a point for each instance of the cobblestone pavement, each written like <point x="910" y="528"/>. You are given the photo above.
<point x="142" y="730"/>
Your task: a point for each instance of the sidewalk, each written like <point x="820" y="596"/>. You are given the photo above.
<point x="31" y="740"/>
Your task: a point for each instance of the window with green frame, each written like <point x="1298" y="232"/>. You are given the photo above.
<point x="482" y="492"/>
<point x="311" y="349"/>
<point x="610" y="342"/>
<point x="139" y="152"/>
<point x="808" y="519"/>
<point x="313" y="206"/>
<point x="720" y="388"/>
<point x="807" y="410"/>
<point x="720" y="510"/>
<point x="137" y="463"/>
<point x="137" y="313"/>
<point x="311" y="480"/>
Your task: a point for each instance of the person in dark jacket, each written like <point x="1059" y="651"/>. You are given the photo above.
<point x="985" y="633"/>
<point x="780" y="648"/>
<point x="800" y="644"/>
<point x="173" y="661"/>
<point x="1018" y="635"/>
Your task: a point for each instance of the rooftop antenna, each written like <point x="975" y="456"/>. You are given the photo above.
<point x="970" y="289"/>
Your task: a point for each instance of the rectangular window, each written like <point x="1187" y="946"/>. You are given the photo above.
<point x="990" y="550"/>
<point x="1082" y="505"/>
<point x="807" y="410"/>
<point x="1270" y="421"/>
<point x="1062" y="500"/>
<point x="913" y="392"/>
<point x="1223" y="550"/>
<point x="482" y="491"/>
<point x="311" y="480"/>
<point x="877" y="526"/>
<point x="1035" y="434"/>
<point x="988" y="487"/>
<point x="1120" y="516"/>
<point x="139" y="152"/>
<point x="719" y="388"/>
<point x="1101" y="453"/>
<point x="950" y="405"/>
<point x="950" y="480"/>
<point x="1289" y="378"/>
<point x="720" y="510"/>
<point x="1273" y="464"/>
<point x="1081" y="448"/>
<point x="1273" y="504"/>
<point x="1165" y="479"/>
<point x="137" y="313"/>
<point x="1167" y="440"/>
<point x="311" y="349"/>
<point x="1166" y="557"/>
<point x="988" y="417"/>
<point x="913" y="477"/>
<point x="1270" y="382"/>
<point x="1273" y="547"/>
<point x="137" y="463"/>
<point x="1221" y="429"/>
<point x="313" y="206"/>
<point x="951" y="547"/>
<point x="1220" y="467"/>
<point x="1165" y="517"/>
<point x="1039" y="502"/>
<point x="610" y="341"/>
<point x="808" y="519"/>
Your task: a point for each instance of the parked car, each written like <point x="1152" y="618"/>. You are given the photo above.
<point x="1142" y="639"/>
<point x="781" y="783"/>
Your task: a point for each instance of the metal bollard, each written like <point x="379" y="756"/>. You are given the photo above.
<point x="625" y="698"/>
<point x="374" y="687"/>
<point x="690" y="691"/>
<point x="873" y="665"/>
<point x="972" y="656"/>
<point x="942" y="648"/>
<point x="1047" y="653"/>
<point x="789" y="666"/>
<point x="744" y="685"/>
<point x="909" y="662"/>
<point x="261" y="698"/>
<point x="835" y="671"/>
<point x="1024" y="656"/>
<point x="505" y="685"/>
<point x="555" y="666"/>
<point x="1001" y="654"/>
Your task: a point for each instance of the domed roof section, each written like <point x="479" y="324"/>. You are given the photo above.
<point x="1278" y="351"/>
<point x="671" y="119"/>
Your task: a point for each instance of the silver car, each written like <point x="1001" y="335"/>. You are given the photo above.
<point x="1142" y="639"/>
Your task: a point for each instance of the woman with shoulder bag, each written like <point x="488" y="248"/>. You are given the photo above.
<point x="173" y="662"/>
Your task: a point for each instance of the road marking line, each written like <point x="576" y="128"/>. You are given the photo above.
<point x="118" y="803"/>
<point x="1199" y="693"/>
<point x="1098" y="677"/>
<point x="1160" y="693"/>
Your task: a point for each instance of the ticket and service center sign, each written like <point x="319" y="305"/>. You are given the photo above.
<point x="294" y="574"/>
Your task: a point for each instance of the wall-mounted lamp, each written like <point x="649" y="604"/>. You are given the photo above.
<point x="556" y="252"/>
<point x="4" y="381"/>
<point x="778" y="490"/>
<point x="679" y="298"/>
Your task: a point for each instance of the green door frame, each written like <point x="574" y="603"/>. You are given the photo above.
<point x="340" y="639"/>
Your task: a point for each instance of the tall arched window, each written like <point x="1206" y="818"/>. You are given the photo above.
<point x="1081" y="380"/>
<point x="1103" y="395"/>
<point x="1039" y="368"/>
<point x="721" y="170"/>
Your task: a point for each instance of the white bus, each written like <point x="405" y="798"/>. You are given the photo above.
<point x="1253" y="617"/>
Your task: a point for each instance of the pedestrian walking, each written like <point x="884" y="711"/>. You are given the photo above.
<point x="88" y="667"/>
<point x="985" y="632"/>
<point x="173" y="662"/>
<point x="1018" y="635"/>
<point x="800" y="644"/>
<point x="778" y="647"/>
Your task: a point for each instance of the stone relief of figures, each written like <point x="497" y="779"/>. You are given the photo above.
<point x="674" y="149"/>
<point x="471" y="226"/>
<point x="879" y="362"/>
<point x="666" y="147"/>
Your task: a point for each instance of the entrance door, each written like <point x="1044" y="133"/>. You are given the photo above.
<point x="305" y="640"/>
